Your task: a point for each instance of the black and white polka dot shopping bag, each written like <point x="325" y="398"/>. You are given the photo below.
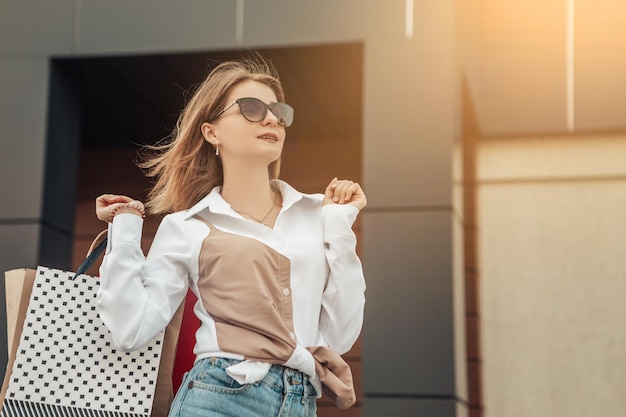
<point x="65" y="365"/>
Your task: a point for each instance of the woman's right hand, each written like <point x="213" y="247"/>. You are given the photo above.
<point x="106" y="204"/>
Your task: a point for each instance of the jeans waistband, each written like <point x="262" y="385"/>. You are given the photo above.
<point x="279" y="377"/>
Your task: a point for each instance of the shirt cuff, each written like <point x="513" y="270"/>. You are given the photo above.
<point x="125" y="230"/>
<point x="338" y="218"/>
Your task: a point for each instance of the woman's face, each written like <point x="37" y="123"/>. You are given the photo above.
<point x="242" y="139"/>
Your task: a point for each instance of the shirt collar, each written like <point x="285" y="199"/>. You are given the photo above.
<point x="217" y="205"/>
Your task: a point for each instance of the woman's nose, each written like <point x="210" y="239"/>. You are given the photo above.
<point x="270" y="118"/>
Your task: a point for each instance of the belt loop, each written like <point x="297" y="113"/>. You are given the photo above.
<point x="286" y="381"/>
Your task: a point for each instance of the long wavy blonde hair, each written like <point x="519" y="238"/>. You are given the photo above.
<point x="184" y="167"/>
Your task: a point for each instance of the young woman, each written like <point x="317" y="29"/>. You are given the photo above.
<point x="280" y="288"/>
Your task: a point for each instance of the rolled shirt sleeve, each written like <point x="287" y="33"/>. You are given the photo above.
<point x="343" y="301"/>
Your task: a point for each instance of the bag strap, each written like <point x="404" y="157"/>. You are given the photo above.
<point x="93" y="253"/>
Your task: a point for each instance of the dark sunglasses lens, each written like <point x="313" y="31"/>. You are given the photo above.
<point x="283" y="112"/>
<point x="254" y="110"/>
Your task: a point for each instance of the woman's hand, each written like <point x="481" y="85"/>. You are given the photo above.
<point x="108" y="205"/>
<point x="344" y="192"/>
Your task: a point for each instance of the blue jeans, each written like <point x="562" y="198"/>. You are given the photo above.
<point x="208" y="391"/>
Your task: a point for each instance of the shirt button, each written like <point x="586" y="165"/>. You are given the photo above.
<point x="286" y="291"/>
<point x="293" y="335"/>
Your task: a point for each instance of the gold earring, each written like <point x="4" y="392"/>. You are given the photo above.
<point x="217" y="148"/>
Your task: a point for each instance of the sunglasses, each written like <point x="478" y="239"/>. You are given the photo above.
<point x="255" y="110"/>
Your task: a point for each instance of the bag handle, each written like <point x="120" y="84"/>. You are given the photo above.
<point x="93" y="253"/>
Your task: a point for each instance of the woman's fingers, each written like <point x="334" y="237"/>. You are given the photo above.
<point x="108" y="203"/>
<point x="344" y="192"/>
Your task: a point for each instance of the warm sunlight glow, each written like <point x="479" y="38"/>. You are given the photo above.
<point x="408" y="20"/>
<point x="570" y="65"/>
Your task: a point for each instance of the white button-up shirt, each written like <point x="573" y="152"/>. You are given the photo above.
<point x="138" y="295"/>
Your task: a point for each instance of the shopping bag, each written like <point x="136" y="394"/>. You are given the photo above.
<point x="61" y="359"/>
<point x="18" y="284"/>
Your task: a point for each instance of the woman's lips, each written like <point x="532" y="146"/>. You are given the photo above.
<point x="269" y="136"/>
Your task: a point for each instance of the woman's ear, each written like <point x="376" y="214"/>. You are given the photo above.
<point x="208" y="132"/>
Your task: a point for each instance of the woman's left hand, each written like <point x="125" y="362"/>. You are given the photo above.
<point x="344" y="192"/>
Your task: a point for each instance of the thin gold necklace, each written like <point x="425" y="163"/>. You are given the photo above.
<point x="261" y="220"/>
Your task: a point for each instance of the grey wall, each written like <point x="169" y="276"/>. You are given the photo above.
<point x="413" y="339"/>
